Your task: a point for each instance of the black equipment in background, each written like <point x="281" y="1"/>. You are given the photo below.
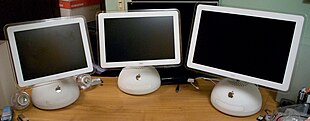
<point x="187" y="9"/>
<point x="13" y="11"/>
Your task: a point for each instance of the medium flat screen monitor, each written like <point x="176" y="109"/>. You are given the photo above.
<point x="139" y="41"/>
<point x="49" y="49"/>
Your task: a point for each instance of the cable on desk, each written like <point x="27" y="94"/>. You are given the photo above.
<point x="194" y="83"/>
<point x="209" y="79"/>
<point x="177" y="89"/>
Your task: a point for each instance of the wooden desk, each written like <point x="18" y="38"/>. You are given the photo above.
<point x="107" y="102"/>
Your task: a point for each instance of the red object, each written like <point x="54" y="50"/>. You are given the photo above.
<point x="77" y="3"/>
<point x="307" y="89"/>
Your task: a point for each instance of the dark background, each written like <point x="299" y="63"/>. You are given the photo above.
<point x="13" y="11"/>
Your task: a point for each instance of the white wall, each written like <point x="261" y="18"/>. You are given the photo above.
<point x="113" y="5"/>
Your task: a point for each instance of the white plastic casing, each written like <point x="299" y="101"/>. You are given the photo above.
<point x="56" y="94"/>
<point x="139" y="80"/>
<point x="236" y="98"/>
<point x="7" y="79"/>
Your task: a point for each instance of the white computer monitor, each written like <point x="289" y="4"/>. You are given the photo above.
<point x="139" y="39"/>
<point x="257" y="47"/>
<point x="47" y="50"/>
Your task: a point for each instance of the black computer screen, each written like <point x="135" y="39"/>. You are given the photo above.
<point x="139" y="39"/>
<point x="254" y="46"/>
<point x="50" y="50"/>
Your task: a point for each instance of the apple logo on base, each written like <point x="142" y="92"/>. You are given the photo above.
<point x="231" y="94"/>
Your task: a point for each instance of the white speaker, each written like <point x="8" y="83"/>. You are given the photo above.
<point x="7" y="78"/>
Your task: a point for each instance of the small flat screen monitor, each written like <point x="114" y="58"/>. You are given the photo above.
<point x="139" y="39"/>
<point x="49" y="50"/>
<point x="257" y="47"/>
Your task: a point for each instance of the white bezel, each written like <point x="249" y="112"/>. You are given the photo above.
<point x="279" y="16"/>
<point x="105" y="64"/>
<point x="42" y="24"/>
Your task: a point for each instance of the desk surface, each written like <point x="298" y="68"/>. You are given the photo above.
<point x="107" y="103"/>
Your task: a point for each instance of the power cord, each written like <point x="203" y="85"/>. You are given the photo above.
<point x="209" y="79"/>
<point x="194" y="83"/>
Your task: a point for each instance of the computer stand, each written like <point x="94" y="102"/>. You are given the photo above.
<point x="236" y="98"/>
<point x="55" y="94"/>
<point x="139" y="80"/>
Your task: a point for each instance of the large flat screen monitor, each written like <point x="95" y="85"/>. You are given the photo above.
<point x="253" y="46"/>
<point x="48" y="50"/>
<point x="139" y="39"/>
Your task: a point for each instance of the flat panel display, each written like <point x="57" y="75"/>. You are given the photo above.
<point x="139" y="39"/>
<point x="248" y="45"/>
<point x="48" y="50"/>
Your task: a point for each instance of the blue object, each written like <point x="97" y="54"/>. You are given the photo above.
<point x="7" y="114"/>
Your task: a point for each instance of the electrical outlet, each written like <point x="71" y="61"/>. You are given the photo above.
<point x="121" y="5"/>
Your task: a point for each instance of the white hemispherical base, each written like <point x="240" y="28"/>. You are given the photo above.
<point x="236" y="98"/>
<point x="139" y="80"/>
<point x="55" y="94"/>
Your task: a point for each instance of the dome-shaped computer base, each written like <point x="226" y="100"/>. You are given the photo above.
<point x="55" y="94"/>
<point x="139" y="80"/>
<point x="236" y="98"/>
